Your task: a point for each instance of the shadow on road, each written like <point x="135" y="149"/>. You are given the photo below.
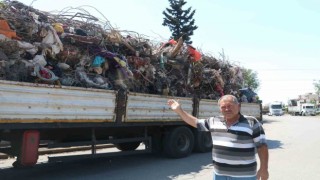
<point x="268" y="121"/>
<point x="274" y="144"/>
<point x="144" y="166"/>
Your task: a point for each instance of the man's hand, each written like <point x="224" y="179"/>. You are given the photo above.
<point x="174" y="105"/>
<point x="263" y="153"/>
<point x="262" y="174"/>
<point x="186" y="117"/>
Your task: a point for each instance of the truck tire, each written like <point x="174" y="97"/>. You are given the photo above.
<point x="178" y="142"/>
<point x="130" y="146"/>
<point x="202" y="141"/>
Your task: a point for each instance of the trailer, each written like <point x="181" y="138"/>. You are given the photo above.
<point x="72" y="116"/>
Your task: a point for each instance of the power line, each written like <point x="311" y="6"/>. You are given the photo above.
<point x="286" y="79"/>
<point x="287" y="69"/>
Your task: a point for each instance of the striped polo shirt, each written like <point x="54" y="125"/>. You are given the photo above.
<point x="234" y="148"/>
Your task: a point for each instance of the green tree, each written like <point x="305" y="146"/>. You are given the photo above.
<point x="250" y="78"/>
<point x="316" y="84"/>
<point x="179" y="21"/>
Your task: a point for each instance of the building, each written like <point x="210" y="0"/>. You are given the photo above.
<point x="309" y="98"/>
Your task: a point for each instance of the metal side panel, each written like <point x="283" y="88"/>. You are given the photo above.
<point x="152" y="108"/>
<point x="208" y="108"/>
<point x="251" y="109"/>
<point x="31" y="103"/>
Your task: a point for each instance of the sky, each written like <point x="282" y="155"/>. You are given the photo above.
<point x="279" y="40"/>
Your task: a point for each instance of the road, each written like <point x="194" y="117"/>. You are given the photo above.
<point x="294" y="146"/>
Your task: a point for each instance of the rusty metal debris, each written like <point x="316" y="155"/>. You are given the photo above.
<point x="78" y="49"/>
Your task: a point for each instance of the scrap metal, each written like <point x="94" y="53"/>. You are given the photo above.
<point x="78" y="49"/>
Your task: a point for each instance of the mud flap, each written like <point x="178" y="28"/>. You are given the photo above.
<point x="30" y="146"/>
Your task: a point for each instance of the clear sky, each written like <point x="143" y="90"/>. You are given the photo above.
<point x="280" y="40"/>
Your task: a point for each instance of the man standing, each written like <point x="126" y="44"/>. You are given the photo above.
<point x="235" y="140"/>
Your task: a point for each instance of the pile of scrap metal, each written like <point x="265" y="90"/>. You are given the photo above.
<point x="78" y="49"/>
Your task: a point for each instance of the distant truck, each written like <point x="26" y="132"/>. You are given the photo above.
<point x="295" y="107"/>
<point x="275" y="108"/>
<point x="265" y="109"/>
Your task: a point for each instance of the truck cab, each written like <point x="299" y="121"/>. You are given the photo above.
<point x="308" y="109"/>
<point x="275" y="108"/>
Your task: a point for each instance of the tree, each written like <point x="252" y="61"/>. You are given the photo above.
<point x="250" y="78"/>
<point x="179" y="21"/>
<point x="317" y="86"/>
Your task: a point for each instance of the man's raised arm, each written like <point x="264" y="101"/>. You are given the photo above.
<point x="186" y="117"/>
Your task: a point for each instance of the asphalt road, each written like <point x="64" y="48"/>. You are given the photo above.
<point x="294" y="146"/>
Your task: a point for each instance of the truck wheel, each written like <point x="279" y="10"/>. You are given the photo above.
<point x="202" y="141"/>
<point x="178" y="142"/>
<point x="130" y="146"/>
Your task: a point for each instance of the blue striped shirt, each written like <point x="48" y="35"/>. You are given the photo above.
<point x="234" y="148"/>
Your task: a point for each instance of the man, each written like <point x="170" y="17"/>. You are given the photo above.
<point x="235" y="140"/>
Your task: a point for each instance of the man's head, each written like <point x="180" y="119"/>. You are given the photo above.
<point x="229" y="107"/>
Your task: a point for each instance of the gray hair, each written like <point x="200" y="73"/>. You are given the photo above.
<point x="228" y="96"/>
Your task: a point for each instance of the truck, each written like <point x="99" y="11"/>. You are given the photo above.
<point x="296" y="107"/>
<point x="32" y="114"/>
<point x="265" y="108"/>
<point x="275" y="108"/>
<point x="73" y="80"/>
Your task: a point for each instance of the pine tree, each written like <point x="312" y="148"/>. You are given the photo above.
<point x="179" y="21"/>
<point x="250" y="78"/>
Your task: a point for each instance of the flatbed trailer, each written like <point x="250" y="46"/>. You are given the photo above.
<point x="73" y="116"/>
